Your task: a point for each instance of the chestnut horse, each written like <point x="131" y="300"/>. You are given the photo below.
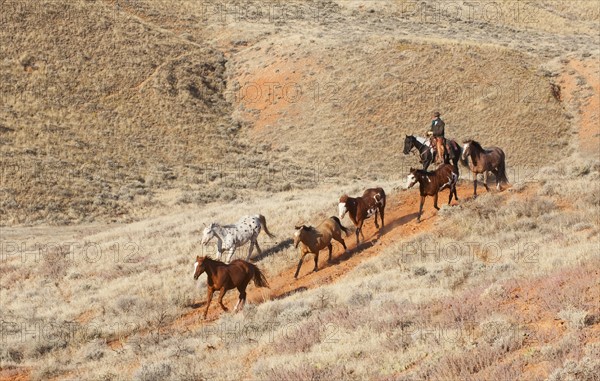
<point x="361" y="208"/>
<point x="484" y="161"/>
<point x="312" y="240"/>
<point x="224" y="277"/>
<point x="431" y="183"/>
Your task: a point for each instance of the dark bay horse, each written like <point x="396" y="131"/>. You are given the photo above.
<point x="314" y="239"/>
<point x="431" y="183"/>
<point x="427" y="153"/>
<point x="484" y="161"/>
<point x="224" y="277"/>
<point x="361" y="208"/>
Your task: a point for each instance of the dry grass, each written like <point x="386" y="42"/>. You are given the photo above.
<point x="127" y="130"/>
<point x="132" y="122"/>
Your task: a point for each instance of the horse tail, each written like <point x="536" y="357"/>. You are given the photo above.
<point x="259" y="277"/>
<point x="339" y="223"/>
<point x="502" y="170"/>
<point x="263" y="222"/>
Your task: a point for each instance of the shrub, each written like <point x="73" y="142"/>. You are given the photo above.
<point x="153" y="372"/>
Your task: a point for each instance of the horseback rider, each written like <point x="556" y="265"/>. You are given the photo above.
<point x="437" y="137"/>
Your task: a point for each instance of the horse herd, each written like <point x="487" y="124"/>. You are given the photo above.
<point x="224" y="276"/>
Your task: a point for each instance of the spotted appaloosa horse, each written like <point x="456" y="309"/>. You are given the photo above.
<point x="224" y="277"/>
<point x="361" y="208"/>
<point x="431" y="183"/>
<point x="483" y="161"/>
<point x="230" y="237"/>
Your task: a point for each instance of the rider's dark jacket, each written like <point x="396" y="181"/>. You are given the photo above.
<point x="437" y="127"/>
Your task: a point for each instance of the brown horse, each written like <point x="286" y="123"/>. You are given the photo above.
<point x="431" y="183"/>
<point x="312" y="240"/>
<point x="224" y="277"/>
<point x="484" y="161"/>
<point x="361" y="208"/>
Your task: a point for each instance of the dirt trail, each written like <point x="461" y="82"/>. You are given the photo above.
<point x="15" y="374"/>
<point x="586" y="103"/>
<point x="400" y="219"/>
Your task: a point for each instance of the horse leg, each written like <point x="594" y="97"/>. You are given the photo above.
<point x="241" y="299"/>
<point x="330" y="249"/>
<point x="376" y="224"/>
<point x="316" y="262"/>
<point x="455" y="162"/>
<point x="453" y="190"/>
<point x="357" y="231"/>
<point x="361" y="232"/>
<point x="475" y="185"/>
<point x="219" y="250"/>
<point x="257" y="247"/>
<point x="381" y="214"/>
<point x="420" y="208"/>
<point x="222" y="292"/>
<point x="341" y="240"/>
<point x="250" y="250"/>
<point x="435" y="198"/>
<point x="485" y="179"/>
<point x="299" y="264"/>
<point x="495" y="172"/>
<point x="230" y="255"/>
<point x="209" y="295"/>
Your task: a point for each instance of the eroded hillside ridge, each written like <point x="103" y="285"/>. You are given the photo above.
<point x="118" y="110"/>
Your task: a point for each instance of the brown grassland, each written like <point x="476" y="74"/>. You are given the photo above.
<point x="125" y="125"/>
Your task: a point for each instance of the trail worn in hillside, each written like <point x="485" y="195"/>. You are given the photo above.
<point x="400" y="223"/>
<point x="580" y="84"/>
<point x="400" y="220"/>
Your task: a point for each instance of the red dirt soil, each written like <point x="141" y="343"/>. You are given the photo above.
<point x="588" y="109"/>
<point x="400" y="219"/>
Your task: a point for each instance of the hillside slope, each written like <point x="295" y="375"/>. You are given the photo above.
<point x="131" y="124"/>
<point x="112" y="111"/>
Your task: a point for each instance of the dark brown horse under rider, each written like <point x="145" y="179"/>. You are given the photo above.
<point x="438" y="140"/>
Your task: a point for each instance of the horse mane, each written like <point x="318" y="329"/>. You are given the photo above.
<point x="213" y="261"/>
<point x="476" y="145"/>
<point x="424" y="172"/>
<point x="420" y="139"/>
<point x="309" y="228"/>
